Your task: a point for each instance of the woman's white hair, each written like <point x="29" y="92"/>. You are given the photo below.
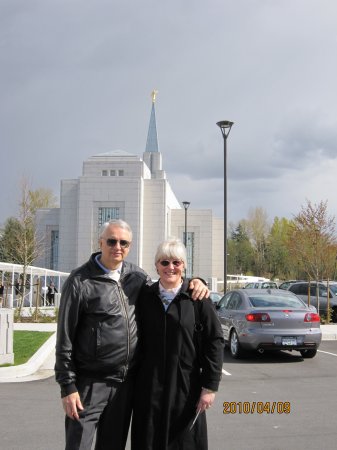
<point x="171" y="249"/>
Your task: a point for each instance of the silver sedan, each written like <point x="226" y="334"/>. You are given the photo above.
<point x="268" y="319"/>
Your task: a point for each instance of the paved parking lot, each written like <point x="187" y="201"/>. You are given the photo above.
<point x="31" y="416"/>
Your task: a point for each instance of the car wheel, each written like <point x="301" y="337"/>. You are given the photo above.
<point x="310" y="353"/>
<point x="235" y="346"/>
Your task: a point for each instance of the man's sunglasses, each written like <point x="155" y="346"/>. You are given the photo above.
<point x="113" y="242"/>
<point x="167" y="263"/>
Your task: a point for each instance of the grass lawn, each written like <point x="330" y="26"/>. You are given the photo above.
<point x="26" y="343"/>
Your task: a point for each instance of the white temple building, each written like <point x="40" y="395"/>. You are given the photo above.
<point x="125" y="186"/>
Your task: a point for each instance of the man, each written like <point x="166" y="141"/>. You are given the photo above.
<point x="96" y="342"/>
<point x="51" y="293"/>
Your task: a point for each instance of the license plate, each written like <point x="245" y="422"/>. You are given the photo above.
<point x="289" y="341"/>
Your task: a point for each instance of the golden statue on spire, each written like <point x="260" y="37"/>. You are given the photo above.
<point x="153" y="95"/>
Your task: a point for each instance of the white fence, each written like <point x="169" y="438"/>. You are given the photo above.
<point x="236" y="281"/>
<point x="39" y="279"/>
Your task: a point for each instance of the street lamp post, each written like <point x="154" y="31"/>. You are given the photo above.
<point x="186" y="205"/>
<point x="225" y="127"/>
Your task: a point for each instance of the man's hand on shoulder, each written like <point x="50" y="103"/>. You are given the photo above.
<point x="199" y="289"/>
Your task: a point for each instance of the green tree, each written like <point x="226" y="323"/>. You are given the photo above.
<point x="258" y="231"/>
<point x="279" y="261"/>
<point x="41" y="198"/>
<point x="312" y="240"/>
<point x="8" y="242"/>
<point x="20" y="243"/>
<point x="240" y="259"/>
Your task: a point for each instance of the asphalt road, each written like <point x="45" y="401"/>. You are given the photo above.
<point x="308" y="385"/>
<point x="262" y="387"/>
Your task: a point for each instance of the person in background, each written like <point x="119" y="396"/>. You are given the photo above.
<point x="51" y="293"/>
<point x="17" y="286"/>
<point x="181" y="345"/>
<point x="96" y="357"/>
<point x="2" y="288"/>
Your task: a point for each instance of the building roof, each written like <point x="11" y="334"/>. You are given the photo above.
<point x="113" y="153"/>
<point x="152" y="137"/>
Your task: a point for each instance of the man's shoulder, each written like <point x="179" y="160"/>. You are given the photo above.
<point x="80" y="269"/>
<point x="84" y="271"/>
<point x="132" y="269"/>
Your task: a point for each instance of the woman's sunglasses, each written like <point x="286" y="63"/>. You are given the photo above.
<point x="167" y="263"/>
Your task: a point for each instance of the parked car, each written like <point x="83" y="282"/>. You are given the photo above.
<point x="268" y="319"/>
<point x="215" y="297"/>
<point x="285" y="285"/>
<point x="301" y="289"/>
<point x="332" y="286"/>
<point x="261" y="285"/>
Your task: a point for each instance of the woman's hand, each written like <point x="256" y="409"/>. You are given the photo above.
<point x="206" y="400"/>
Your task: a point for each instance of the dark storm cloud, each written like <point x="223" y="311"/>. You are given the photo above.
<point x="76" y="77"/>
<point x="306" y="141"/>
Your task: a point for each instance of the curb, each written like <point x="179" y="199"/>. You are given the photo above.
<point x="32" y="365"/>
<point x="329" y="332"/>
<point x="329" y="336"/>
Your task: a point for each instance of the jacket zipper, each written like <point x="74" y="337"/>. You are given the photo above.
<point x="121" y="296"/>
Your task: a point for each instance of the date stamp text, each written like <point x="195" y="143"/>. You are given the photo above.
<point x="256" y="407"/>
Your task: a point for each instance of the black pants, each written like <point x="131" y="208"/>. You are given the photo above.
<point x="107" y="408"/>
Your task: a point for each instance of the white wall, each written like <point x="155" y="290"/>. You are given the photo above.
<point x="47" y="221"/>
<point x="148" y="204"/>
<point x="207" y="256"/>
<point x="68" y="225"/>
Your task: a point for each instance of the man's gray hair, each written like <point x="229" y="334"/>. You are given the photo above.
<point x="118" y="223"/>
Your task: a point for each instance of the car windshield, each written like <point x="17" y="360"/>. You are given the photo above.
<point x="333" y="288"/>
<point x="267" y="301"/>
<point x="268" y="285"/>
<point x="215" y="296"/>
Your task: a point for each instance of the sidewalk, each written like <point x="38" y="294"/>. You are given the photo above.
<point x="41" y="365"/>
<point x="329" y="332"/>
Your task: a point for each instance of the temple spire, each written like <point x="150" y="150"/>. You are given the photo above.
<point x="152" y="137"/>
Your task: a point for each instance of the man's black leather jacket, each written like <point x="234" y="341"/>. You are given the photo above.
<point x="97" y="333"/>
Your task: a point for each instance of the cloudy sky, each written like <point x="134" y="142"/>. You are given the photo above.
<point x="76" y="78"/>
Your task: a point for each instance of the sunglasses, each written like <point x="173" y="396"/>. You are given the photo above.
<point x="167" y="263"/>
<point x="113" y="242"/>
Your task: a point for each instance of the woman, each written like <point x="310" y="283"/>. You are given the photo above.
<point x="182" y="348"/>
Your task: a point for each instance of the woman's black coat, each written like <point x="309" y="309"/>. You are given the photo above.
<point x="169" y="383"/>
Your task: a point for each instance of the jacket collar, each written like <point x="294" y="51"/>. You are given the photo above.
<point x="184" y="291"/>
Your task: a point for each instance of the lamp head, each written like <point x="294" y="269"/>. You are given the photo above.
<point x="186" y="204"/>
<point x="225" y="127"/>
